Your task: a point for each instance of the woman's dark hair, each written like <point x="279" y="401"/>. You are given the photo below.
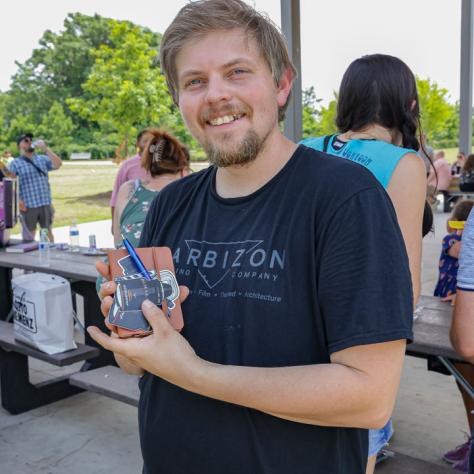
<point x="468" y="165"/>
<point x="462" y="209"/>
<point x="381" y="89"/>
<point x="164" y="153"/>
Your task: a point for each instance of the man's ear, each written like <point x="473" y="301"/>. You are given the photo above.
<point x="413" y="104"/>
<point x="284" y="87"/>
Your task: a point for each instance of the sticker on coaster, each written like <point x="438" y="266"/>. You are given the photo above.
<point x="158" y="262"/>
<point x="132" y="290"/>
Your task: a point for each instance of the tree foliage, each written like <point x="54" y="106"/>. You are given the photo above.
<point x="125" y="88"/>
<point x="439" y="118"/>
<point x="96" y="83"/>
<point x="91" y="87"/>
<point x="318" y="120"/>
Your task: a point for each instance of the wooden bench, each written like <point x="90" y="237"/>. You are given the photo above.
<point x="109" y="381"/>
<point x="18" y="393"/>
<point x="85" y="155"/>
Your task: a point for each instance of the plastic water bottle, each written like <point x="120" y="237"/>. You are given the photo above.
<point x="44" y="247"/>
<point x="74" y="237"/>
<point x="92" y="244"/>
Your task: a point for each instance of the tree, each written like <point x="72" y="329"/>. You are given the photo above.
<point x="318" y="121"/>
<point x="125" y="89"/>
<point x="310" y="112"/>
<point x="59" y="66"/>
<point x="56" y="128"/>
<point x="436" y="111"/>
<point x="327" y="120"/>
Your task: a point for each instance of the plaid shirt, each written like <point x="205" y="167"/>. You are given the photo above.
<point x="33" y="185"/>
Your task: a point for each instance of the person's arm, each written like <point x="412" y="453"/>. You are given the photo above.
<point x="462" y="325"/>
<point x="6" y="171"/>
<point x="56" y="161"/>
<point x="123" y="196"/>
<point x="455" y="249"/>
<point x="357" y="389"/>
<point x="367" y="312"/>
<point x="407" y="190"/>
<point x="120" y="179"/>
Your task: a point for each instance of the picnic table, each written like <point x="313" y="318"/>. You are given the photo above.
<point x="454" y="193"/>
<point x="78" y="268"/>
<point x="431" y="336"/>
<point x="18" y="394"/>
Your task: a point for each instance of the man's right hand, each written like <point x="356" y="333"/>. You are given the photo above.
<point x="107" y="290"/>
<point x="22" y="206"/>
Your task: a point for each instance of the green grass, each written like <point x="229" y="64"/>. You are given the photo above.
<point x="82" y="192"/>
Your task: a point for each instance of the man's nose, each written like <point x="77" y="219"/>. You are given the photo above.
<point x="218" y="90"/>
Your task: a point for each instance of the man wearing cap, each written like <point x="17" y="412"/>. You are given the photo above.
<point x="32" y="172"/>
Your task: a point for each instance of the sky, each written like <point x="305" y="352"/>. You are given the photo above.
<point x="423" y="33"/>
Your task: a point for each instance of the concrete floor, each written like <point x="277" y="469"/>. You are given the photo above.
<point x="89" y="433"/>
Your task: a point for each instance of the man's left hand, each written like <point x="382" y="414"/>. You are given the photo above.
<point x="164" y="353"/>
<point x="41" y="144"/>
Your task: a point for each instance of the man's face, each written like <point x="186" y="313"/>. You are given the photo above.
<point x="227" y="96"/>
<point x="25" y="145"/>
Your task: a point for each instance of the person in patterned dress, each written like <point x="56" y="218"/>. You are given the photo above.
<point x="448" y="260"/>
<point x="166" y="160"/>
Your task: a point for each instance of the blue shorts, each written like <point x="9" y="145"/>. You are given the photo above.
<point x="380" y="438"/>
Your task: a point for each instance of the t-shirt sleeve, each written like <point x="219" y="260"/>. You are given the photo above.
<point x="119" y="180"/>
<point x="365" y="289"/>
<point x="465" y="279"/>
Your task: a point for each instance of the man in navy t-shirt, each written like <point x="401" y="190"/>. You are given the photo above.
<point x="299" y="302"/>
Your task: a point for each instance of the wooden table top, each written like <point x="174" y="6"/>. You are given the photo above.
<point x="73" y="265"/>
<point x="431" y="329"/>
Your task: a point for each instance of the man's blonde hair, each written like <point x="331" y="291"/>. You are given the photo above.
<point x="204" y="16"/>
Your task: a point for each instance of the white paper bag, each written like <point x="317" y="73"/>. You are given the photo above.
<point x="43" y="313"/>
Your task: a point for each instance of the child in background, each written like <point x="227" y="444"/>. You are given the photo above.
<point x="448" y="261"/>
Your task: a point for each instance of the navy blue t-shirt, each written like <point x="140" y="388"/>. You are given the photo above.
<point x="310" y="264"/>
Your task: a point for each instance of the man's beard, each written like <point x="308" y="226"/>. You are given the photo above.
<point x="245" y="152"/>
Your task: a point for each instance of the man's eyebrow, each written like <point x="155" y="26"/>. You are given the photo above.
<point x="197" y="72"/>
<point x="236" y="61"/>
<point x="191" y="72"/>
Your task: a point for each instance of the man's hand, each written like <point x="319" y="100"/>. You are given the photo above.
<point x="107" y="290"/>
<point x="22" y="206"/>
<point x="164" y="353"/>
<point x="41" y="144"/>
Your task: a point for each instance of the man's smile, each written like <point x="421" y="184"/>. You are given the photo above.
<point x="224" y="119"/>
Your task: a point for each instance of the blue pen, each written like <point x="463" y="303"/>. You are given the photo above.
<point x="136" y="259"/>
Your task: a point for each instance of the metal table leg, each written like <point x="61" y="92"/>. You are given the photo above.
<point x="6" y="297"/>
<point x="457" y="375"/>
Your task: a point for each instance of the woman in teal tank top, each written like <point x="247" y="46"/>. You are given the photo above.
<point x="166" y="160"/>
<point x="378" y="118"/>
